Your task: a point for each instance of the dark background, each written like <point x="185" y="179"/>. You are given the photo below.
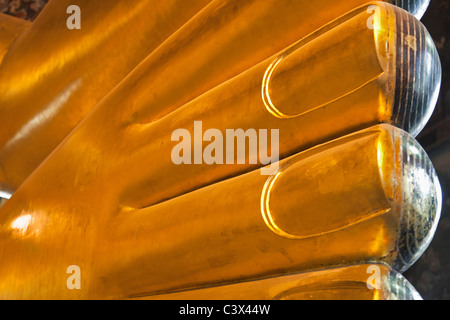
<point x="24" y="9"/>
<point x="431" y="274"/>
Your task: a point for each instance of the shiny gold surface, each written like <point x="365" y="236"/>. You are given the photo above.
<point x="307" y="216"/>
<point x="10" y="29"/>
<point x="77" y="68"/>
<point x="362" y="95"/>
<point x="110" y="201"/>
<point x="347" y="283"/>
<point x="320" y="204"/>
<point x="55" y="76"/>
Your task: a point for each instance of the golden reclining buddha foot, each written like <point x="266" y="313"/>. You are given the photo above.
<point x="77" y="69"/>
<point x="376" y="187"/>
<point x="345" y="283"/>
<point x="345" y="90"/>
<point x="99" y="202"/>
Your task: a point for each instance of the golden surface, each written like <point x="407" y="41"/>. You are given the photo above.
<point x="53" y="77"/>
<point x="321" y="203"/>
<point x="122" y="140"/>
<point x="110" y="200"/>
<point x="307" y="216"/>
<point x="77" y="68"/>
<point x="10" y="29"/>
<point x="347" y="283"/>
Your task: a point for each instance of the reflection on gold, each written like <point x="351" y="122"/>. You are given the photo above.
<point x="41" y="119"/>
<point x="265" y="210"/>
<point x="265" y="90"/>
<point x="21" y="223"/>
